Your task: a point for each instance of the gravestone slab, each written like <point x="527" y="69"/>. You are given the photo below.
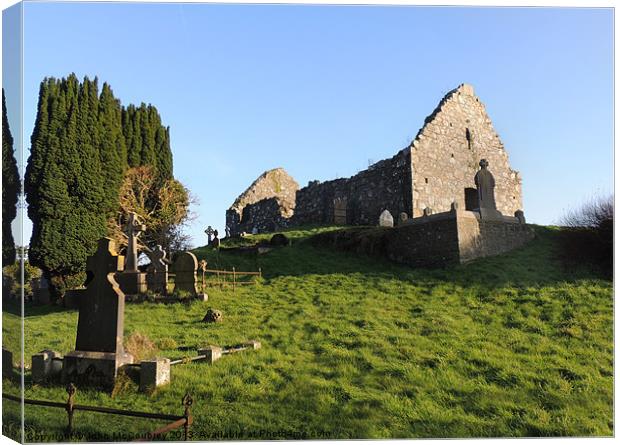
<point x="386" y="219"/>
<point x="185" y="268"/>
<point x="99" y="348"/>
<point x="157" y="271"/>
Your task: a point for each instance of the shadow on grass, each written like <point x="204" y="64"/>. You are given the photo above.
<point x="538" y="263"/>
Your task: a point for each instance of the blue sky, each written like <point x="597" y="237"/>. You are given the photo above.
<point x="321" y="90"/>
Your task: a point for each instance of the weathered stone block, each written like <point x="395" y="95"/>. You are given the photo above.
<point x="254" y="344"/>
<point x="154" y="373"/>
<point x="211" y="352"/>
<point x="44" y="367"/>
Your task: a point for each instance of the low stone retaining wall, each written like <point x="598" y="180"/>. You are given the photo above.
<point x="431" y="241"/>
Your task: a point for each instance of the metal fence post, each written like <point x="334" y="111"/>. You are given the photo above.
<point x="71" y="389"/>
<point x="187" y="403"/>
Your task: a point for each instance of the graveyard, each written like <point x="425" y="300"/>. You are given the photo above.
<point x="354" y="346"/>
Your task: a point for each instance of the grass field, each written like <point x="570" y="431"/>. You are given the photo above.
<point x="355" y="347"/>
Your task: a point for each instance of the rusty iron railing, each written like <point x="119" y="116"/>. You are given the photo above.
<point x="70" y="407"/>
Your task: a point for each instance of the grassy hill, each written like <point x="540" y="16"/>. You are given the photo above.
<point x="355" y="347"/>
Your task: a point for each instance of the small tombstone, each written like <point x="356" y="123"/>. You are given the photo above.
<point x="216" y="240"/>
<point x="428" y="211"/>
<point x="254" y="230"/>
<point x="209" y="233"/>
<point x="157" y="271"/>
<point x="520" y="216"/>
<point x="213" y="316"/>
<point x="402" y="217"/>
<point x="40" y="290"/>
<point x="185" y="268"/>
<point x="386" y="219"/>
<point x="99" y="351"/>
<point x="7" y="363"/>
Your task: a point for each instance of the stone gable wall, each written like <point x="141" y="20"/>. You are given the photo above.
<point x="444" y="162"/>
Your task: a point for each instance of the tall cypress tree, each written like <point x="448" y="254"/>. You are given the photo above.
<point x="64" y="181"/>
<point x="10" y="189"/>
<point x="82" y="144"/>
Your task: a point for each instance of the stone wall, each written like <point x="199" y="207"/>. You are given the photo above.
<point x="437" y="240"/>
<point x="384" y="185"/>
<point x="446" y="153"/>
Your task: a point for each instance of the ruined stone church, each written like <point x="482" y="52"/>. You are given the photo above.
<point x="436" y="170"/>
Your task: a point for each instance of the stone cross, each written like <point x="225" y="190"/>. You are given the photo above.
<point x="185" y="268"/>
<point x="209" y="233"/>
<point x="133" y="230"/>
<point x="386" y="219"/>
<point x="157" y="271"/>
<point x="102" y="309"/>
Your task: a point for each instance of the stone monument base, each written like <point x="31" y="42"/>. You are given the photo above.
<point x="132" y="283"/>
<point x="91" y="368"/>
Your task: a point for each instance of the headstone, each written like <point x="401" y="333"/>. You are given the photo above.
<point x="520" y="216"/>
<point x="386" y="219"/>
<point x="154" y="373"/>
<point x="216" y="241"/>
<point x="213" y="316"/>
<point x="40" y="290"/>
<point x="485" y="183"/>
<point x="99" y="351"/>
<point x="340" y="211"/>
<point x="427" y="211"/>
<point x="131" y="280"/>
<point x="7" y="363"/>
<point x="209" y="232"/>
<point x="185" y="279"/>
<point x="255" y="231"/>
<point x="402" y="217"/>
<point x="157" y="271"/>
<point x="46" y="366"/>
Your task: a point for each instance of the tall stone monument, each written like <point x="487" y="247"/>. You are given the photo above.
<point x="157" y="271"/>
<point x="131" y="280"/>
<point x="485" y="183"/>
<point x="99" y="351"/>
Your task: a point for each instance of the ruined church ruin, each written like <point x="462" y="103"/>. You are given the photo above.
<point x="436" y="170"/>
